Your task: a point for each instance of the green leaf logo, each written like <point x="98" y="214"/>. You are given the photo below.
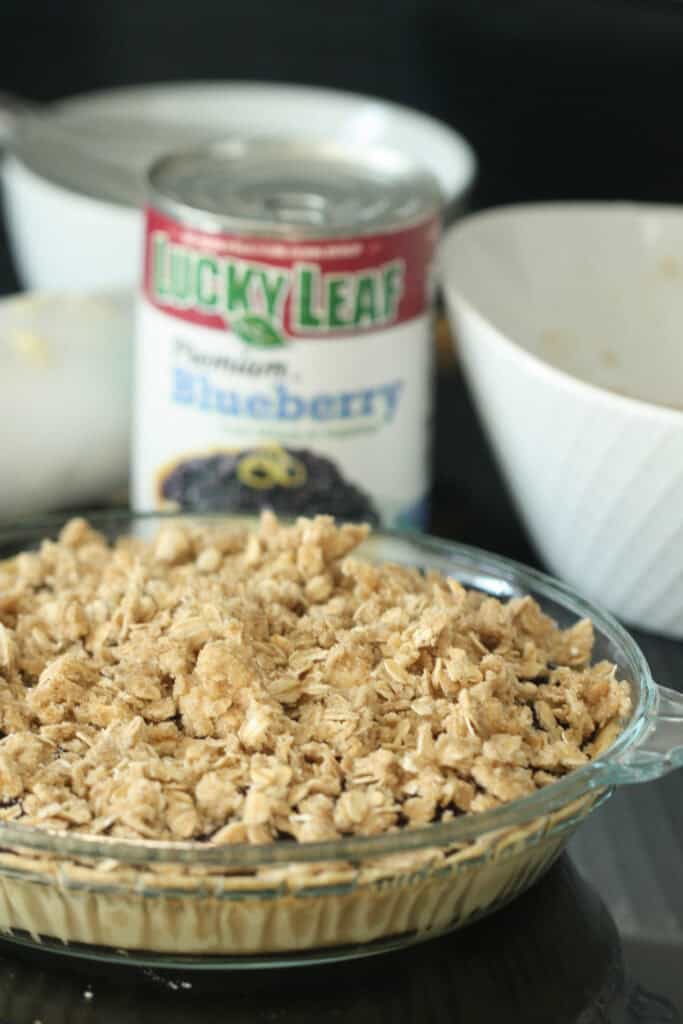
<point x="254" y="330"/>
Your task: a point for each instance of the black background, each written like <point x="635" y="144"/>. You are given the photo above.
<point x="559" y="98"/>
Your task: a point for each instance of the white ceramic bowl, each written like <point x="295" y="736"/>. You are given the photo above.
<point x="569" y="322"/>
<point x="74" y="182"/>
<point x="65" y="368"/>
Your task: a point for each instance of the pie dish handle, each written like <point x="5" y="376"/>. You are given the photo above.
<point x="659" y="749"/>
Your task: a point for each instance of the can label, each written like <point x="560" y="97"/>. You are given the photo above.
<point x="290" y="374"/>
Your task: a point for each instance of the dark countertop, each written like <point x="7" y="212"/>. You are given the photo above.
<point x="600" y="939"/>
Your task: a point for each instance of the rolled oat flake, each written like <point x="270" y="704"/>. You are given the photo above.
<point x="284" y="354"/>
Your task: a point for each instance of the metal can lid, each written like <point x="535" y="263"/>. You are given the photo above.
<point x="275" y="187"/>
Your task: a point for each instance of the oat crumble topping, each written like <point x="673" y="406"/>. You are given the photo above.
<point x="232" y="686"/>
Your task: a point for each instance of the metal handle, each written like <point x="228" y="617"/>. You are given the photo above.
<point x="660" y="748"/>
<point x="11" y="110"/>
<point x="52" y="151"/>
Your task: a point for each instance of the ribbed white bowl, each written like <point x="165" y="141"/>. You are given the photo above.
<point x="569" y="323"/>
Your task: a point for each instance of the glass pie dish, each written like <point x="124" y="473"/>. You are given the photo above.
<point x="193" y="904"/>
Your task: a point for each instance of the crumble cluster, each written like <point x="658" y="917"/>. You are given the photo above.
<point x="231" y="686"/>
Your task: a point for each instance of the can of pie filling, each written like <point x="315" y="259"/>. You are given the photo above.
<point x="284" y="348"/>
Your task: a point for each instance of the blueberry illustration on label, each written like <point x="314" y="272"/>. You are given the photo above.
<point x="290" y="481"/>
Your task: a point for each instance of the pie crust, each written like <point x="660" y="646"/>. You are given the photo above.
<point x="280" y="910"/>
